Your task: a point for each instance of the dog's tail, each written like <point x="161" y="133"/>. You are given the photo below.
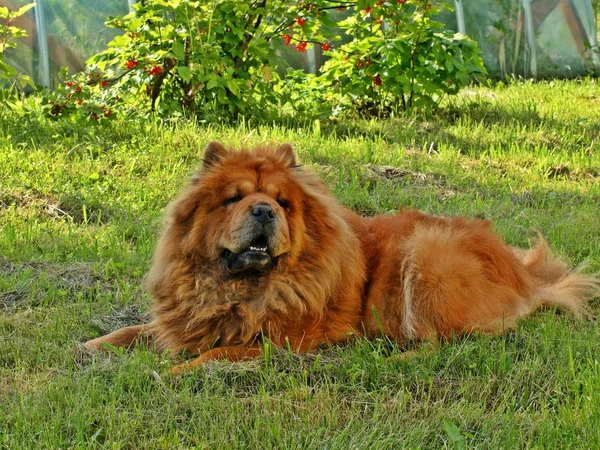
<point x="559" y="285"/>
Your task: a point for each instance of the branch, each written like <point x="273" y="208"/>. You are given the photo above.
<point x="412" y="81"/>
<point x="158" y="81"/>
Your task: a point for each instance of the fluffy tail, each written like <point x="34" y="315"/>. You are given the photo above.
<point x="559" y="285"/>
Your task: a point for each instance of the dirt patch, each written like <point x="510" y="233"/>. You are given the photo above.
<point x="560" y="171"/>
<point x="122" y="317"/>
<point x="69" y="280"/>
<point x="11" y="300"/>
<point x="69" y="208"/>
<point x="78" y="273"/>
<point x="390" y="173"/>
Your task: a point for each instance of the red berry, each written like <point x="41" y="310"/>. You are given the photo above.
<point x="79" y="102"/>
<point x="69" y="83"/>
<point x="380" y="3"/>
<point x="301" y="46"/>
<point x="131" y="64"/>
<point x="300" y="21"/>
<point x="367" y="10"/>
<point x="360" y="64"/>
<point x="155" y="70"/>
<point x="103" y="83"/>
<point x="368" y="63"/>
<point x="287" y="39"/>
<point x="377" y="80"/>
<point x="78" y="89"/>
<point x="326" y="46"/>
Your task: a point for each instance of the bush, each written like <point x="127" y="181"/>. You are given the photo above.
<point x="398" y="59"/>
<point x="8" y="33"/>
<point x="222" y="59"/>
<point x="190" y="57"/>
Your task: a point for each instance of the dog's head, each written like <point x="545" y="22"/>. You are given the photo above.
<point x="244" y="212"/>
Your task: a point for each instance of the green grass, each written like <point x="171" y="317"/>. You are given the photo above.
<point x="80" y="207"/>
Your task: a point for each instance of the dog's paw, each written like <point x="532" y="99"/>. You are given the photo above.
<point x="180" y="369"/>
<point x="94" y="344"/>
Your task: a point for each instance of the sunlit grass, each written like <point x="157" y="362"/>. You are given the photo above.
<point x="80" y="207"/>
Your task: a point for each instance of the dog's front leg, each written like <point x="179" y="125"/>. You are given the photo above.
<point x="233" y="354"/>
<point x="124" y="337"/>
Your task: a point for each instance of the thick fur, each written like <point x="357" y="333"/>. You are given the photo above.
<point x="328" y="273"/>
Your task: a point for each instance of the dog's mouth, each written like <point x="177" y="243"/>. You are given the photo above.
<point x="255" y="258"/>
<point x="258" y="246"/>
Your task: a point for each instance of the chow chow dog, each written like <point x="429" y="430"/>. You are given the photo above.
<point x="257" y="246"/>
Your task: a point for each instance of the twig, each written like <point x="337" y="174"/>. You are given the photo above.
<point x="158" y="81"/>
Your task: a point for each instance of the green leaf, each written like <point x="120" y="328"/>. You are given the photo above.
<point x="184" y="73"/>
<point x="455" y="435"/>
<point x="231" y="38"/>
<point x="179" y="51"/>
<point x="8" y="70"/>
<point x="23" y="9"/>
<point x="463" y="78"/>
<point x="134" y="24"/>
<point x="222" y="96"/>
<point x="267" y="74"/>
<point x="212" y="83"/>
<point x="119" y="41"/>
<point x="25" y="80"/>
<point x="233" y="87"/>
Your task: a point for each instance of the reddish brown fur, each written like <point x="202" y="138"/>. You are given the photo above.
<point x="410" y="276"/>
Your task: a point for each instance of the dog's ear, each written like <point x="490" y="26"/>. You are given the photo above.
<point x="213" y="153"/>
<point x="287" y="155"/>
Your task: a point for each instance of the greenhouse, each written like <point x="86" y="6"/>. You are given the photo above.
<point x="524" y="38"/>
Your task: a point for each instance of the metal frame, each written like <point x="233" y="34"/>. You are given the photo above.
<point x="460" y="17"/>
<point x="530" y="51"/>
<point x="44" y="57"/>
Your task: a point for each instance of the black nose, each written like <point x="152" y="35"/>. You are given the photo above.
<point x="263" y="213"/>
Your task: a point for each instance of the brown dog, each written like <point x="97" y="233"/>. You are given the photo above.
<point x="257" y="246"/>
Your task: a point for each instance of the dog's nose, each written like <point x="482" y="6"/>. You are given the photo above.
<point x="263" y="213"/>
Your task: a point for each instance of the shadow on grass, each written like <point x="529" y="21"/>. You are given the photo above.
<point x="417" y="132"/>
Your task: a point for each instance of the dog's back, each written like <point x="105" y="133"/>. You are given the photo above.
<point x="437" y="277"/>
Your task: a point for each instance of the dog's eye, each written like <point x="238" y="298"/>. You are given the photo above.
<point x="283" y="203"/>
<point x="231" y="200"/>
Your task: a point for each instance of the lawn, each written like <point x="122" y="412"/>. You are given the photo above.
<point x="80" y="208"/>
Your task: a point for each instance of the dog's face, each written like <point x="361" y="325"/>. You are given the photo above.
<point x="244" y="211"/>
<point x="255" y="230"/>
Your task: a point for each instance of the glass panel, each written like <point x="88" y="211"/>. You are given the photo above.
<point x="563" y="35"/>
<point x="75" y="31"/>
<point x="499" y="28"/>
<point x="563" y="31"/>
